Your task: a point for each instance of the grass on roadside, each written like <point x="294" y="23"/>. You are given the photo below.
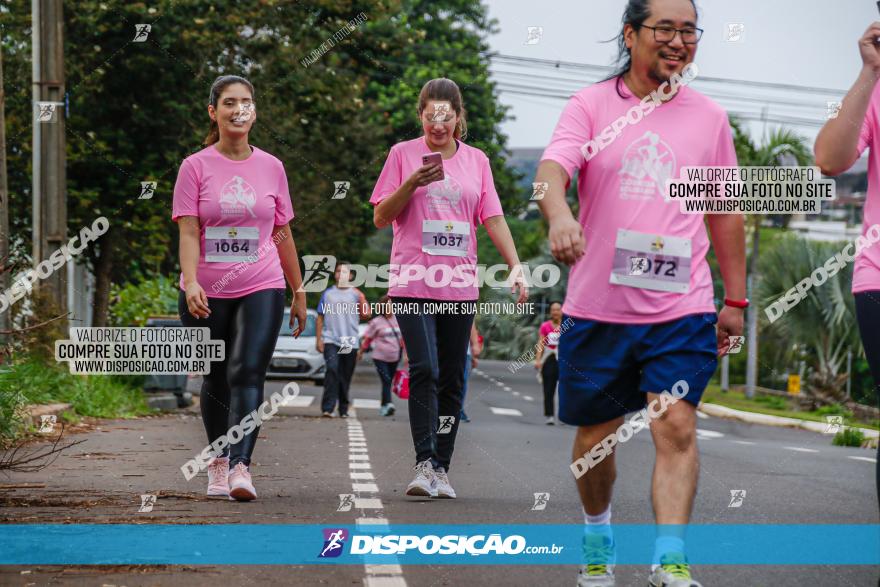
<point x="33" y="381"/>
<point x="778" y="406"/>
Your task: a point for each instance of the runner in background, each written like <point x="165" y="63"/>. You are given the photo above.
<point x="838" y="146"/>
<point x="545" y="361"/>
<point x="435" y="208"/>
<point x="636" y="334"/>
<point x="475" y="347"/>
<point x="232" y="207"/>
<point x="340" y="310"/>
<point x="383" y="335"/>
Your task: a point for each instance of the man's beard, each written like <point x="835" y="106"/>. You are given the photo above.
<point x="657" y="75"/>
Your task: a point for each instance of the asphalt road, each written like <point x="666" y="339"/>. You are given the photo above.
<point x="504" y="456"/>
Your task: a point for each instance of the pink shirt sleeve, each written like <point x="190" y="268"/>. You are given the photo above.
<point x="390" y="178"/>
<point x="283" y="205"/>
<point x="546" y="328"/>
<point x="186" y="192"/>
<point x="572" y="132"/>
<point x="490" y="204"/>
<point x="867" y="131"/>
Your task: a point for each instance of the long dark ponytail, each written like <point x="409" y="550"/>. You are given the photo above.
<point x="635" y="14"/>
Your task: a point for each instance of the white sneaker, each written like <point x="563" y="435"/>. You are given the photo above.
<point x="673" y="571"/>
<point x="425" y="482"/>
<point x="444" y="489"/>
<point x="551" y="421"/>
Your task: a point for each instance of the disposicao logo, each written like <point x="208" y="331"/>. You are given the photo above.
<point x="334" y="541"/>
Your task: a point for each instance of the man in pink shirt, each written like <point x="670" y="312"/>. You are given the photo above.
<point x="842" y="140"/>
<point x="641" y="298"/>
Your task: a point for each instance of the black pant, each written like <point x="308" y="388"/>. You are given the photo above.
<point x="437" y="349"/>
<point x="339" y="369"/>
<point x="234" y="388"/>
<point x="868" y="314"/>
<point x="550" y="377"/>
<point x="386" y="370"/>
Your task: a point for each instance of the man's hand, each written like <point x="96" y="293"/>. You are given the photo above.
<point x="730" y="323"/>
<point x="566" y="240"/>
<point x="869" y="47"/>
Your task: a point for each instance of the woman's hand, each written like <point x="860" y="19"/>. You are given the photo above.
<point x="424" y="175"/>
<point x="566" y="240"/>
<point x="197" y="300"/>
<point x="518" y="282"/>
<point x="298" y="313"/>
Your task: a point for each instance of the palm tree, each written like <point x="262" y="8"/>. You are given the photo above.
<point x="821" y="328"/>
<point x="784" y="148"/>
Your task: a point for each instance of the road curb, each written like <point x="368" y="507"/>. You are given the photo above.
<point x="768" y="420"/>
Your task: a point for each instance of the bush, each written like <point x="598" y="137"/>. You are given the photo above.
<point x="773" y="402"/>
<point x="32" y="381"/>
<point x="133" y="303"/>
<point x="848" y="437"/>
<point x="834" y="410"/>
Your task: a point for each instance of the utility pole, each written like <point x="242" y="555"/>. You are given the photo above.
<point x="49" y="177"/>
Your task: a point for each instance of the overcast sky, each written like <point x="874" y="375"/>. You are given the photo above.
<point x="808" y="43"/>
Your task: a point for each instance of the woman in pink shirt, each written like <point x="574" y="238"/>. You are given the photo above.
<point x="435" y="208"/>
<point x="232" y="206"/>
<point x="546" y="362"/>
<point x="383" y="336"/>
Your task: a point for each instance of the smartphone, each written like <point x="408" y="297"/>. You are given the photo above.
<point x="434" y="159"/>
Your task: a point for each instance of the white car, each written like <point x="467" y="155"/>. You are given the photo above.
<point x="297" y="358"/>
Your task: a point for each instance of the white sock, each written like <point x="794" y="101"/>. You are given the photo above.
<point x="603" y="518"/>
<point x="663" y="545"/>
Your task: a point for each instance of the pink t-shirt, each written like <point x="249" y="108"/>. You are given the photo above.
<point x="549" y="334"/>
<point x="866" y="271"/>
<point x="238" y="203"/>
<point x="441" y="217"/>
<point x="385" y="338"/>
<point x="622" y="188"/>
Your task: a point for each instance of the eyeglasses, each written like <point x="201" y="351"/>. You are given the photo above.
<point x="665" y="34"/>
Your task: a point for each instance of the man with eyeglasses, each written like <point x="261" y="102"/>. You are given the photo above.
<point x="641" y="300"/>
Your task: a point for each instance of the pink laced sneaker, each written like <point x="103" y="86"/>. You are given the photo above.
<point x="218" y="476"/>
<point x="240" y="486"/>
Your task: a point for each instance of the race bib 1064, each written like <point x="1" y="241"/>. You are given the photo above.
<point x="231" y="244"/>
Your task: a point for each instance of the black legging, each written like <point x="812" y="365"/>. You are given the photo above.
<point x="868" y="314"/>
<point x="549" y="378"/>
<point x="234" y="387"/>
<point x="436" y="345"/>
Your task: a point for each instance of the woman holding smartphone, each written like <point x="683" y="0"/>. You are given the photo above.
<point x="232" y="207"/>
<point x="435" y="209"/>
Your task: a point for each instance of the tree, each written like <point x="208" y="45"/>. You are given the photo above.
<point x="784" y="147"/>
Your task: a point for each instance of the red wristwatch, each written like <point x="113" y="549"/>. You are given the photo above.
<point x="744" y="303"/>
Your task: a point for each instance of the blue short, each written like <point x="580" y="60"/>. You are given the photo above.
<point x="606" y="369"/>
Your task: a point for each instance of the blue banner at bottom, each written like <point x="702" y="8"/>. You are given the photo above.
<point x="406" y="544"/>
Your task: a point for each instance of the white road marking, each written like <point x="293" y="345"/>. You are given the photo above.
<point x="746" y="442"/>
<point x="372" y="522"/>
<point x="799" y="449"/>
<point x="516" y="393"/>
<point x="384" y="569"/>
<point x="499" y="384"/>
<point x="299" y="401"/>
<point x="359" y="465"/>
<point x="507" y="388"/>
<point x="357" y="449"/>
<point x="866" y="459"/>
<point x="370" y="503"/>
<point x="528" y="398"/>
<point x="505" y="411"/>
<point x="358" y="457"/>
<point x="382" y="581"/>
<point x="368" y="487"/>
<point x="359" y="475"/>
<point x="708" y="433"/>
<point x="358" y="444"/>
<point x="370" y="404"/>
